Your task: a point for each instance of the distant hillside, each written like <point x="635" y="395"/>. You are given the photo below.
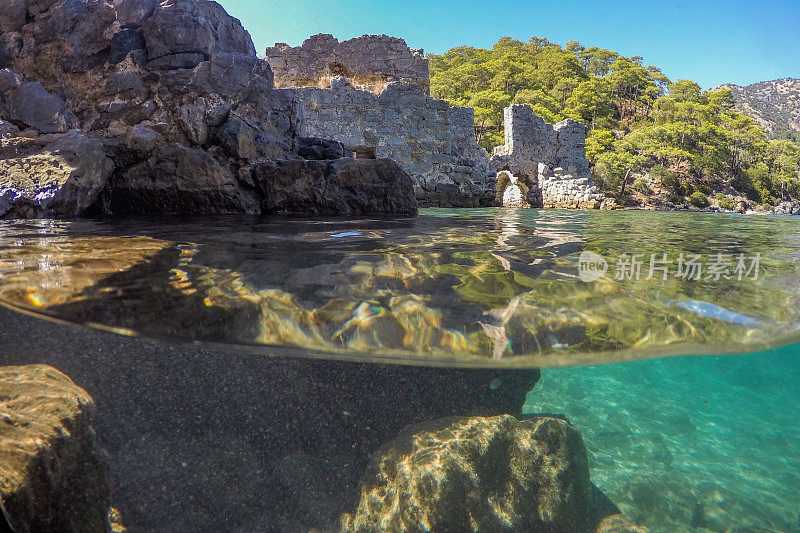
<point x="775" y="105"/>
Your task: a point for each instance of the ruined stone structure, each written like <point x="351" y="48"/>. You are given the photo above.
<point x="369" y="62"/>
<point x="550" y="160"/>
<point x="432" y="141"/>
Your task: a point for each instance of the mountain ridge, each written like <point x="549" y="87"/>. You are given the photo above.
<point x="773" y="104"/>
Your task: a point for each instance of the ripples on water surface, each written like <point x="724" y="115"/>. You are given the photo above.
<point x="453" y="287"/>
<point x="680" y="444"/>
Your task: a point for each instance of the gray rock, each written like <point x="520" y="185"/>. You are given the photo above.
<point x="370" y="61"/>
<point x="176" y="179"/>
<point x="58" y="175"/>
<point x="229" y="75"/>
<point x="134" y="12"/>
<point x="141" y="140"/>
<point x="10" y="47"/>
<point x="76" y="32"/>
<point x="124" y="42"/>
<point x="9" y="80"/>
<point x="32" y="105"/>
<point x="189" y="26"/>
<point x="341" y="187"/>
<point x="7" y="129"/>
<point x="217" y="113"/>
<point x="12" y="15"/>
<point x="238" y="138"/>
<point x="192" y="119"/>
<point x="176" y="61"/>
<point x="315" y="148"/>
<point x="36" y="7"/>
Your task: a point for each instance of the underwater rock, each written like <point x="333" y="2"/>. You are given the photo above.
<point x="618" y="524"/>
<point x="58" y="175"/>
<point x="53" y="474"/>
<point x="478" y="474"/>
<point x="342" y="186"/>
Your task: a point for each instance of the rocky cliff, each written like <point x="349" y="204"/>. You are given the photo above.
<point x="139" y="106"/>
<point x="775" y="104"/>
<point x="369" y="61"/>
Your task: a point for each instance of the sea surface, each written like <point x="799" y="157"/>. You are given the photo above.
<point x="669" y="339"/>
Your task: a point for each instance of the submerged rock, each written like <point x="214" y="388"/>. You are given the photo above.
<point x="53" y="473"/>
<point x="478" y="474"/>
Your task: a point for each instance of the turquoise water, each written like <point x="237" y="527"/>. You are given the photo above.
<point x="689" y="443"/>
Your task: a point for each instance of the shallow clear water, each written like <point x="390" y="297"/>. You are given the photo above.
<point x="488" y="287"/>
<point x="689" y="444"/>
<point x="696" y="443"/>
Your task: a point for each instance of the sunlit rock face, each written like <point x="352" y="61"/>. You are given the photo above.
<point x="53" y="474"/>
<point x="369" y="61"/>
<point x="478" y="474"/>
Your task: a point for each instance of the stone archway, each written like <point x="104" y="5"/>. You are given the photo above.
<point x="512" y="191"/>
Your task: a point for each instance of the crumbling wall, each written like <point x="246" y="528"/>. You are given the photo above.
<point x="432" y="141"/>
<point x="551" y="159"/>
<point x="369" y="62"/>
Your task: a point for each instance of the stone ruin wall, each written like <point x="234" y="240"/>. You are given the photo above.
<point x="431" y="140"/>
<point x="550" y="160"/>
<point x="369" y="62"/>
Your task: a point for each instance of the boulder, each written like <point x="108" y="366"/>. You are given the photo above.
<point x="69" y="37"/>
<point x="478" y="474"/>
<point x="131" y="13"/>
<point x="179" y="180"/>
<point x="33" y="106"/>
<point x="12" y="16"/>
<point x="59" y="175"/>
<point x="53" y="473"/>
<point x="339" y="187"/>
<point x="197" y="27"/>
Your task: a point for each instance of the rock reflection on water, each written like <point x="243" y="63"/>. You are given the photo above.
<point x="495" y="287"/>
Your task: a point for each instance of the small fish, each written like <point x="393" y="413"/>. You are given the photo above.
<point x="346" y="234"/>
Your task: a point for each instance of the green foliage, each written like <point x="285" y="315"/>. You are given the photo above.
<point x="698" y="199"/>
<point x="664" y="124"/>
<point x="725" y="202"/>
<point x="640" y="185"/>
<point x="674" y="198"/>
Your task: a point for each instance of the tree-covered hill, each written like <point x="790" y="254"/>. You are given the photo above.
<point x="648" y="136"/>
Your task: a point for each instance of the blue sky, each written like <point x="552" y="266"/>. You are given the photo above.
<point x="711" y="42"/>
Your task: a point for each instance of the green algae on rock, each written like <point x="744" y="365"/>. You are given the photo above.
<point x="53" y="474"/>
